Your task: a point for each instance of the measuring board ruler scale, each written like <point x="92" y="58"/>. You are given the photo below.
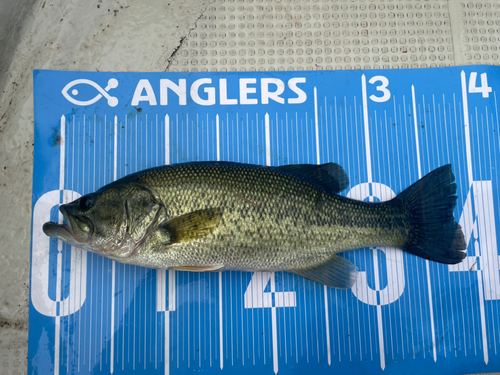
<point x="387" y="128"/>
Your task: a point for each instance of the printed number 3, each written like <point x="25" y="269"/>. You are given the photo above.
<point x="382" y="87"/>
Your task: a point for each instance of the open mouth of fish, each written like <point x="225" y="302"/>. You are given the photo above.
<point x="77" y="230"/>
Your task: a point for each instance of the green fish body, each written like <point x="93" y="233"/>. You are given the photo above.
<point x="214" y="216"/>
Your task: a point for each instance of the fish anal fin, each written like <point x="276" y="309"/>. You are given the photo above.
<point x="337" y="272"/>
<point x="331" y="175"/>
<point x="192" y="226"/>
<point x="198" y="268"/>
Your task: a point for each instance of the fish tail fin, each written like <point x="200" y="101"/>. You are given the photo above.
<point x="429" y="205"/>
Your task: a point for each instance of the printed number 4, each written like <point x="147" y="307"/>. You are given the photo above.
<point x="382" y="87"/>
<point x="256" y="297"/>
<point x="483" y="89"/>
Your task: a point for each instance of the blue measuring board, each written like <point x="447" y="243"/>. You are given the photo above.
<point x="387" y="128"/>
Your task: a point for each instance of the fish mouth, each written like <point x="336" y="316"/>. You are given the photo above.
<point x="77" y="231"/>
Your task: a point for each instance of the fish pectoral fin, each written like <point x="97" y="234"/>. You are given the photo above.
<point x="331" y="175"/>
<point x="192" y="226"/>
<point x="337" y="272"/>
<point x="198" y="268"/>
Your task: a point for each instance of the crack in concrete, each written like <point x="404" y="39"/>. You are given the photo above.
<point x="181" y="42"/>
<point x="172" y="55"/>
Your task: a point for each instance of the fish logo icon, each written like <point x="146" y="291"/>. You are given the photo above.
<point x="112" y="84"/>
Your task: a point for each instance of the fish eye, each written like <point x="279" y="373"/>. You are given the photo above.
<point x="86" y="203"/>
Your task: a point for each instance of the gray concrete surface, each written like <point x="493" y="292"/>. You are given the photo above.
<point x="73" y="35"/>
<point x="197" y="35"/>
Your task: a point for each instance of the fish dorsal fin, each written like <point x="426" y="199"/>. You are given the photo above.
<point x="192" y="226"/>
<point x="330" y="175"/>
<point x="338" y="272"/>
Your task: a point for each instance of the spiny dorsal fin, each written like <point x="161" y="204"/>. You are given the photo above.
<point x="192" y="226"/>
<point x="338" y="272"/>
<point x="330" y="175"/>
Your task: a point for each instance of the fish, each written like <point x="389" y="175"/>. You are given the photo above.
<point x="217" y="216"/>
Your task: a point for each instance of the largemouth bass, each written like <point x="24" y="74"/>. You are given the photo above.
<point x="214" y="216"/>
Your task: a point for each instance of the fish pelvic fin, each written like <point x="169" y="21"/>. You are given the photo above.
<point x="428" y="205"/>
<point x="192" y="226"/>
<point x="337" y="272"/>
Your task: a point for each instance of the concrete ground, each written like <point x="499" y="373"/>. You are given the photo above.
<point x="197" y="35"/>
